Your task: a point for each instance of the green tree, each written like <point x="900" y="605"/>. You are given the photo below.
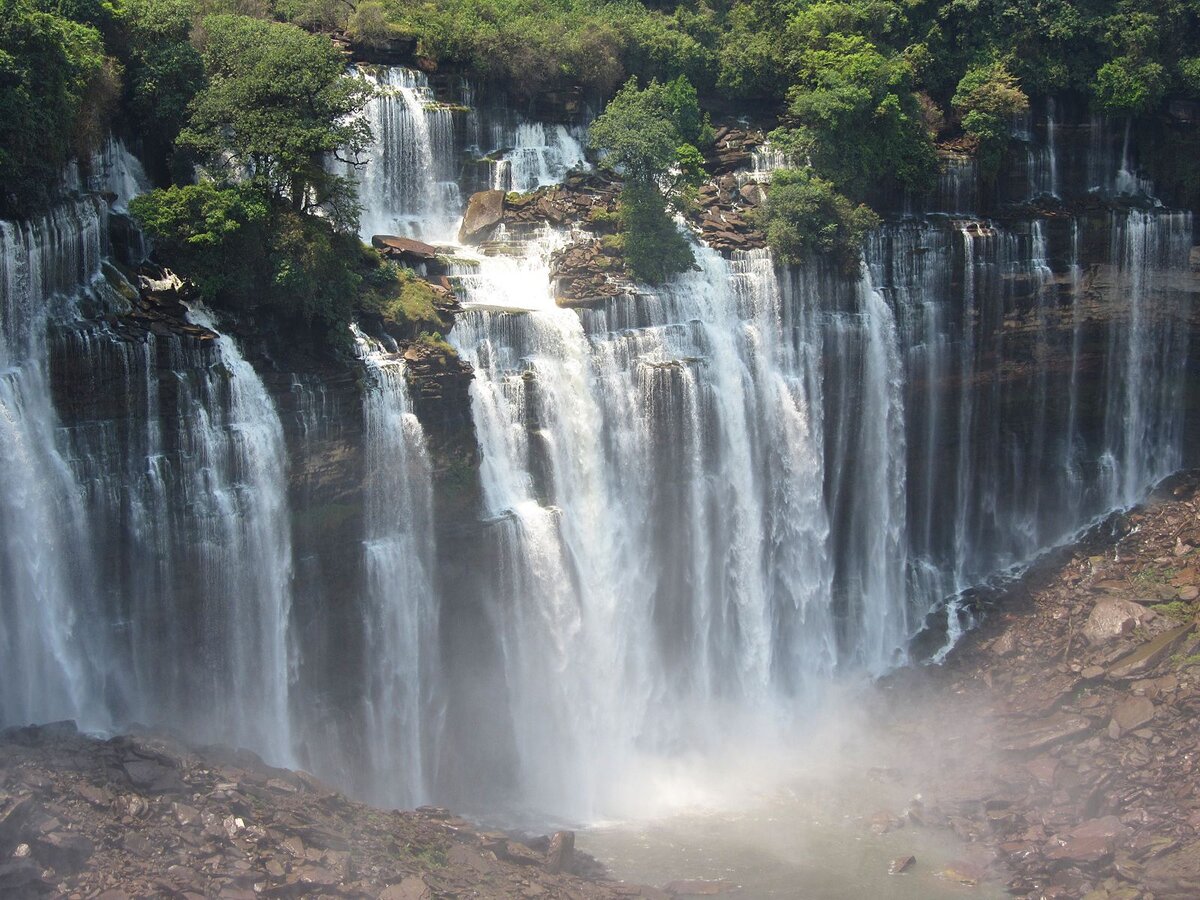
<point x="987" y="98"/>
<point x="805" y="214"/>
<point x="650" y="136"/>
<point x="163" y="70"/>
<point x="855" y="117"/>
<point x="56" y="89"/>
<point x="277" y="102"/>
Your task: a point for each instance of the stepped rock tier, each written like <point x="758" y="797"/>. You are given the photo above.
<point x="621" y="523"/>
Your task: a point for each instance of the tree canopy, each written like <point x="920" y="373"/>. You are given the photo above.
<point x="276" y="102"/>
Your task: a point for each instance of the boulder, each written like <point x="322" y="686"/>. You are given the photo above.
<point x="1150" y="654"/>
<point x="901" y="864"/>
<point x="64" y="851"/>
<point x="404" y="249"/>
<point x="1089" y="842"/>
<point x="1044" y="732"/>
<point x="561" y="855"/>
<point x="1131" y="713"/>
<point x="484" y="212"/>
<point x="411" y="888"/>
<point x="1112" y="617"/>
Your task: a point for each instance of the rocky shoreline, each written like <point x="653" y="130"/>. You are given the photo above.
<point x="1067" y="723"/>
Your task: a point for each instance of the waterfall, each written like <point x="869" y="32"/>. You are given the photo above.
<point x="400" y="606"/>
<point x="49" y="641"/>
<point x="702" y="504"/>
<point x="146" y="565"/>
<point x="409" y="181"/>
<point x="534" y="155"/>
<point x="1147" y="354"/>
<point x="657" y="476"/>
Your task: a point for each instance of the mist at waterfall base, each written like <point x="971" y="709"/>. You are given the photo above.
<point x="711" y="513"/>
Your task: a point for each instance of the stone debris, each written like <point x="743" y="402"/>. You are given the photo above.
<point x="143" y="816"/>
<point x="1084" y="684"/>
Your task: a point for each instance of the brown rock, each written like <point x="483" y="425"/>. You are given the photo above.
<point x="411" y="888"/>
<point x="1150" y="654"/>
<point x="560" y="857"/>
<point x="1112" y="617"/>
<point x="484" y="212"/>
<point x="901" y="864"/>
<point x="406" y="249"/>
<point x="1131" y="713"/>
<point x="1044" y="732"/>
<point x="64" y="851"/>
<point x="1089" y="842"/>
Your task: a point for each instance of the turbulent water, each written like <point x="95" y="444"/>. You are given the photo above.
<point x="702" y="504"/>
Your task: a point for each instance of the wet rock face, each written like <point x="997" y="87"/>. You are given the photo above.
<point x="146" y="816"/>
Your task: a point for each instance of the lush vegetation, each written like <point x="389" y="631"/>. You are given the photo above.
<point x="650" y="136"/>
<point x="57" y="87"/>
<point x="804" y="214"/>
<point x="254" y="93"/>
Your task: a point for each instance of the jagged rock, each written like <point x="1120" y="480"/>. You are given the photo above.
<point x="18" y="876"/>
<point x="152" y="776"/>
<point x="64" y="852"/>
<point x="901" y="864"/>
<point x="1044" y="732"/>
<point x="560" y="857"/>
<point x="1113" y="617"/>
<point x="484" y="212"/>
<point x="411" y="888"/>
<point x="1089" y="842"/>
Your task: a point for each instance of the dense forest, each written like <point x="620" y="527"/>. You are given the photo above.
<point x="237" y="104"/>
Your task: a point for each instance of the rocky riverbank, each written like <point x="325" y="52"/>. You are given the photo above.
<point x="144" y="816"/>
<point x="1061" y="736"/>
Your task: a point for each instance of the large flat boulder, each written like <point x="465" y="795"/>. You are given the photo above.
<point x="484" y="212"/>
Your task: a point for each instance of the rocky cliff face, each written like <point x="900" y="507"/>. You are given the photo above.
<point x="507" y="576"/>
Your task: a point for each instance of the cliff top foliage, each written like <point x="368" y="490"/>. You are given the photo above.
<point x="252" y="91"/>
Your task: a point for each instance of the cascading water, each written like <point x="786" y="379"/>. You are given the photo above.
<point x="409" y="181"/>
<point x="400" y="606"/>
<point x="685" y="552"/>
<point x="49" y="644"/>
<point x="703" y="503"/>
<point x="535" y="155"/>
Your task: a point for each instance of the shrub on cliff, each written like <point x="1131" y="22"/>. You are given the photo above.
<point x="855" y="115"/>
<point x="244" y="252"/>
<point x="804" y="215"/>
<point x="987" y="98"/>
<point x="277" y="102"/>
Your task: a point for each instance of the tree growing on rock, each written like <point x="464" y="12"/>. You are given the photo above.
<point x="277" y="103"/>
<point x="987" y="98"/>
<point x="651" y="136"/>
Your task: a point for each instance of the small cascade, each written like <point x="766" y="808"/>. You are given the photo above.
<point x="400" y="607"/>
<point x="409" y="183"/>
<point x="535" y="155"/>
<point x="1147" y="353"/>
